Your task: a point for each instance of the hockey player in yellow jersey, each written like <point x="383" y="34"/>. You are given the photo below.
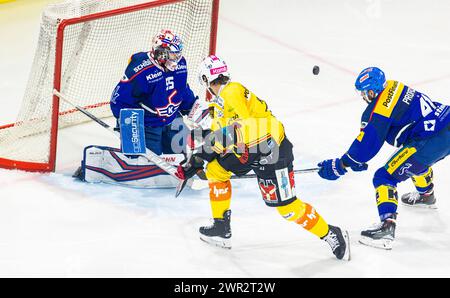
<point x="245" y="136"/>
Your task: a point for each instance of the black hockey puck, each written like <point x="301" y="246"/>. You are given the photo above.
<point x="316" y="70"/>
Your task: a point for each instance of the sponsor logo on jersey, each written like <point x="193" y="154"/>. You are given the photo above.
<point x="141" y="66"/>
<point x="181" y="67"/>
<point x="388" y="99"/>
<point x="441" y="109"/>
<point x="154" y="76"/>
<point x="409" y="96"/>
<point x="391" y="94"/>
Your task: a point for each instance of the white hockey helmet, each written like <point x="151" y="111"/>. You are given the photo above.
<point x="212" y="68"/>
<point x="167" y="49"/>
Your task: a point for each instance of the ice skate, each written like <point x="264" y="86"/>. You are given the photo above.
<point x="219" y="233"/>
<point x="339" y="242"/>
<point x="418" y="200"/>
<point x="380" y="235"/>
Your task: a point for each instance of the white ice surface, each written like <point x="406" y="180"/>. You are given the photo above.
<point x="51" y="225"/>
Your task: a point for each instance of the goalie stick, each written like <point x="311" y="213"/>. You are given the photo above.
<point x="151" y="156"/>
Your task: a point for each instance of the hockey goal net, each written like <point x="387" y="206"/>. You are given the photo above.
<point x="82" y="52"/>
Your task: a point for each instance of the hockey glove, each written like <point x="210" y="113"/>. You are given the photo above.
<point x="226" y="139"/>
<point x="331" y="169"/>
<point x="188" y="169"/>
<point x="347" y="161"/>
<point x="200" y="143"/>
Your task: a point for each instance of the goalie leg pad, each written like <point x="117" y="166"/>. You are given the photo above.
<point x="109" y="165"/>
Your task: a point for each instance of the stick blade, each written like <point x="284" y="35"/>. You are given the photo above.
<point x="180" y="187"/>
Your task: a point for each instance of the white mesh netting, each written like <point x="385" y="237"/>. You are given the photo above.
<point x="95" y="55"/>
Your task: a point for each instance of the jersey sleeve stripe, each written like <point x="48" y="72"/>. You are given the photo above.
<point x="144" y="69"/>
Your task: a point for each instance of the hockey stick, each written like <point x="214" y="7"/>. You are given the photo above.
<point x="248" y="176"/>
<point x="158" y="161"/>
<point x="302" y="171"/>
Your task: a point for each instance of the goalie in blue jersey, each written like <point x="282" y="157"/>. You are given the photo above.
<point x="404" y="118"/>
<point x="155" y="81"/>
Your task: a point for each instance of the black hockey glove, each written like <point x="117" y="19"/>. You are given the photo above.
<point x="188" y="169"/>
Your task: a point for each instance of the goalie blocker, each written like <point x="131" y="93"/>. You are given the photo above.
<point x="127" y="166"/>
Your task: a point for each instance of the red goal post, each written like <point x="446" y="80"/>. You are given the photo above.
<point x="82" y="52"/>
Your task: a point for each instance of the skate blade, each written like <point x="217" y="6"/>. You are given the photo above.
<point x="421" y="206"/>
<point x="217" y="241"/>
<point x="386" y="244"/>
<point x="347" y="254"/>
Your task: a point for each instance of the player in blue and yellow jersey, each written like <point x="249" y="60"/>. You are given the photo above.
<point x="157" y="82"/>
<point x="404" y="118"/>
<point x="245" y="136"/>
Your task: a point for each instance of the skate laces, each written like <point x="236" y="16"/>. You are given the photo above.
<point x="414" y="197"/>
<point x="376" y="226"/>
<point x="332" y="240"/>
<point x="210" y="224"/>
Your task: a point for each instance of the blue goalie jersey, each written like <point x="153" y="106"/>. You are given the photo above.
<point x="164" y="94"/>
<point x="397" y="116"/>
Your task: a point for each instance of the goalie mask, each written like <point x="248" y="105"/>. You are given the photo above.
<point x="167" y="49"/>
<point x="211" y="69"/>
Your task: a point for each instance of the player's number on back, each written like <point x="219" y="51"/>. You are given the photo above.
<point x="169" y="83"/>
<point x="426" y="106"/>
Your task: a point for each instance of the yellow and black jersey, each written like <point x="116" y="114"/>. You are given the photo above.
<point x="236" y="105"/>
